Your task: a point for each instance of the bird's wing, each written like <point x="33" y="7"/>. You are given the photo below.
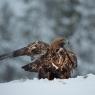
<point x="32" y="67"/>
<point x="32" y="49"/>
<point x="15" y="53"/>
<point x="73" y="58"/>
<point x="70" y="61"/>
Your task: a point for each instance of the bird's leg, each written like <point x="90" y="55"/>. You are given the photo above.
<point x="50" y="76"/>
<point x="40" y="73"/>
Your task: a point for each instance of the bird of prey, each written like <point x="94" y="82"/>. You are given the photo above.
<point x="50" y="60"/>
<point x="57" y="62"/>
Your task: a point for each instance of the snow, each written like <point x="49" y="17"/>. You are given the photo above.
<point x="82" y="85"/>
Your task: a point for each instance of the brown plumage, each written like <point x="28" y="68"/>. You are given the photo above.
<point x="49" y="61"/>
<point x="58" y="62"/>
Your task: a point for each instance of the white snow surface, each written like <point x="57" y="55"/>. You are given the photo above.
<point x="82" y="85"/>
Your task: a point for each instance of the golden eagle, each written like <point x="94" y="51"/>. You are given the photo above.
<point x="49" y="60"/>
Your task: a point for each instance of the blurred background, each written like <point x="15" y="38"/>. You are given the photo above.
<point x="25" y="21"/>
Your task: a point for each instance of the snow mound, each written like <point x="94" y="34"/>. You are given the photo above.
<point x="82" y="85"/>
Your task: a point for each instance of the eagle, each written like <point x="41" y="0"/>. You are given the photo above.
<point x="57" y="62"/>
<point x="48" y="60"/>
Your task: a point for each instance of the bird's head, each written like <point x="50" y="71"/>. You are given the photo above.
<point x="58" y="43"/>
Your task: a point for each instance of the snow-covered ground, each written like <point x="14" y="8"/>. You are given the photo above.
<point x="82" y="85"/>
